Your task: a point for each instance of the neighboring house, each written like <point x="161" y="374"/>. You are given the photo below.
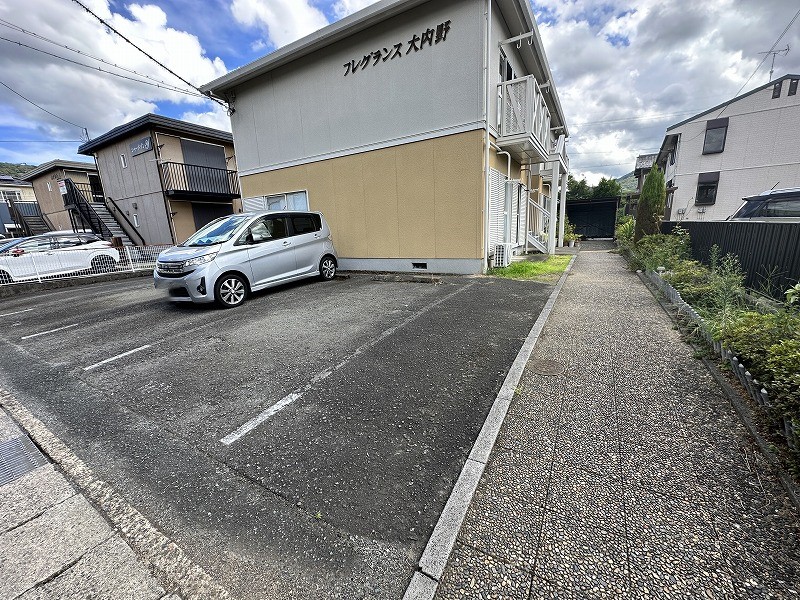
<point x="165" y="177"/>
<point x="17" y="200"/>
<point x="386" y="122"/>
<point x="737" y="149"/>
<point x="45" y="180"/>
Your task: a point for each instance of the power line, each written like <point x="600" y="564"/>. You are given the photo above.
<point x="83" y="129"/>
<point x="120" y="75"/>
<point x="10" y="25"/>
<point x="159" y="63"/>
<point x="41" y="141"/>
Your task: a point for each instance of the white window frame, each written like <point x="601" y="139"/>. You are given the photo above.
<point x="123" y="161"/>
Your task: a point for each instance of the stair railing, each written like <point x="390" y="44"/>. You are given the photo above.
<point x="19" y="218"/>
<point x="116" y="212"/>
<point x="76" y="201"/>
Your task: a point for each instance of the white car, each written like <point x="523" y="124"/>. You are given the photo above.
<point x="52" y="255"/>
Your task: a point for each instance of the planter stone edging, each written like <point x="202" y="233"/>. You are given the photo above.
<point x="755" y="389"/>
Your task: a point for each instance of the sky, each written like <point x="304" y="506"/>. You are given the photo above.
<point x="625" y="70"/>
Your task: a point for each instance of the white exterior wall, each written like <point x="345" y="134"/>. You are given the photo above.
<point x="761" y="152"/>
<point x="292" y="116"/>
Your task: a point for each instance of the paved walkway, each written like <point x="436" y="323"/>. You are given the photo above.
<point x="621" y="471"/>
<point x="53" y="543"/>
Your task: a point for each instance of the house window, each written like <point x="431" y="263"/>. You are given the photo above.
<point x="290" y="201"/>
<point x="793" y="87"/>
<point x="707" y="188"/>
<point x="123" y="161"/>
<point x="135" y="220"/>
<point x="776" y="91"/>
<point x="49" y="187"/>
<point x="716" y="132"/>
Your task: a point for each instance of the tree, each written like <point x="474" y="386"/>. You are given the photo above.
<point x="578" y="190"/>
<point x="607" y="188"/>
<point x="651" y="204"/>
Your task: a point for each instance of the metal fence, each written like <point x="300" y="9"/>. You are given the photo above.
<point x="769" y="252"/>
<point x="35" y="267"/>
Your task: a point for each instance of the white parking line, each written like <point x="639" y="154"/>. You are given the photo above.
<point x="27" y="337"/>
<point x="16" y="312"/>
<point x="117" y="357"/>
<point x="298" y="393"/>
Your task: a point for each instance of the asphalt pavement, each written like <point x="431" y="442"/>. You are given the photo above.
<point x="300" y="446"/>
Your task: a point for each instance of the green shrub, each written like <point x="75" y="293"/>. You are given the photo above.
<point x="752" y="334"/>
<point x="660" y="250"/>
<point x="624" y="232"/>
<point x="783" y="363"/>
<point x="692" y="279"/>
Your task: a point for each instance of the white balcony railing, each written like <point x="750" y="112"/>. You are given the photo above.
<point x="523" y="111"/>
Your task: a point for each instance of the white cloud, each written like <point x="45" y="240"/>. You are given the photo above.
<point x="342" y="8"/>
<point x="82" y="95"/>
<point x="284" y="20"/>
<point x="216" y="118"/>
<point x="625" y="70"/>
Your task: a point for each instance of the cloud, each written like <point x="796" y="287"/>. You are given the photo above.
<point x="284" y="20"/>
<point x="83" y="95"/>
<point x="676" y="60"/>
<point x="343" y="8"/>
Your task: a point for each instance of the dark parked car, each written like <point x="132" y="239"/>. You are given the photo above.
<point x="772" y="205"/>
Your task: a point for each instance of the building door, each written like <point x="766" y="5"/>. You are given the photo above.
<point x="206" y="169"/>
<point x="204" y="213"/>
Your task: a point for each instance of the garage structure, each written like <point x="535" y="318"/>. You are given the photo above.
<point x="430" y="134"/>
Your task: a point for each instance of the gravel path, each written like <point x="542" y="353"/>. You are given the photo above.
<point x="621" y="470"/>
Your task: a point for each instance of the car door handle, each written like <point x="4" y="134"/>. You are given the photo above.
<point x="287" y="243"/>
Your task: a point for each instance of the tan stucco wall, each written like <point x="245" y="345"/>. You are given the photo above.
<point x="50" y="201"/>
<point x="182" y="219"/>
<point x="415" y="200"/>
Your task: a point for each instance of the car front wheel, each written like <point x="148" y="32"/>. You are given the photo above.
<point x="230" y="290"/>
<point x="5" y="278"/>
<point x="327" y="268"/>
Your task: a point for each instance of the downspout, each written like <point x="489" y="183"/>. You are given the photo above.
<point x="486" y="100"/>
<point x="508" y="158"/>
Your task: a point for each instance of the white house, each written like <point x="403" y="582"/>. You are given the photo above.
<point x="429" y="133"/>
<point x="737" y="149"/>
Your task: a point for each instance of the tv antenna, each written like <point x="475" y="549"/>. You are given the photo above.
<point x="774" y="53"/>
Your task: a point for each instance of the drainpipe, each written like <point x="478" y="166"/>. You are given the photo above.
<point x="486" y="101"/>
<point x="508" y="158"/>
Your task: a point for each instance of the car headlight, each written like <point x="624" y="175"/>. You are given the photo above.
<point x="200" y="260"/>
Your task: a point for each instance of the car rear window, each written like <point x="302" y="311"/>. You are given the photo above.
<point x="303" y="224"/>
<point x="789" y="207"/>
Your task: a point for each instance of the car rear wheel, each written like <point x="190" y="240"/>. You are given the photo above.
<point x="5" y="278"/>
<point x="103" y="264"/>
<point x="230" y="290"/>
<point x="327" y="268"/>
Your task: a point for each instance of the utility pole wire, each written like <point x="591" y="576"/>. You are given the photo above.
<point x="83" y="129"/>
<point x="151" y="57"/>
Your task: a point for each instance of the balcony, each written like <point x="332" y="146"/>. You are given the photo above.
<point x="524" y="121"/>
<point x="195" y="182"/>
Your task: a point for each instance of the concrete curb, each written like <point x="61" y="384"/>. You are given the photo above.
<point x="169" y="563"/>
<point x="434" y="558"/>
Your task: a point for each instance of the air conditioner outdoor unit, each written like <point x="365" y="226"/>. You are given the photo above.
<point x="502" y="255"/>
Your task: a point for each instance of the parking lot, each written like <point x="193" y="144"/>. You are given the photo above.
<point x="300" y="446"/>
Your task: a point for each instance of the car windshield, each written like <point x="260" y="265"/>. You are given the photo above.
<point x="216" y="232"/>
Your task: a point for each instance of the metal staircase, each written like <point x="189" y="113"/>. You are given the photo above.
<point x="93" y="215"/>
<point x="28" y="217"/>
<point x="538" y="223"/>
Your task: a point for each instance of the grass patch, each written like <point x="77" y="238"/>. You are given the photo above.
<point x="533" y="269"/>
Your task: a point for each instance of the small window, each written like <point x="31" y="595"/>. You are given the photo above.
<point x="303" y="224"/>
<point x="49" y="187"/>
<point x="136" y="220"/>
<point x="716" y="132"/>
<point x="793" y="87"/>
<point x="123" y="161"/>
<point x="707" y="188"/>
<point x="776" y="91"/>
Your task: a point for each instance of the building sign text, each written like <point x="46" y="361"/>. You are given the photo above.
<point x="142" y="146"/>
<point x="415" y="44"/>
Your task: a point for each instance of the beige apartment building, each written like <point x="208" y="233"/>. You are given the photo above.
<point x="45" y="180"/>
<point x="430" y="134"/>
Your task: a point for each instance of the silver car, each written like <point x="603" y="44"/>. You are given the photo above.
<point x="242" y="253"/>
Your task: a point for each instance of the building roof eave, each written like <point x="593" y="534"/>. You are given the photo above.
<point x="52" y="165"/>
